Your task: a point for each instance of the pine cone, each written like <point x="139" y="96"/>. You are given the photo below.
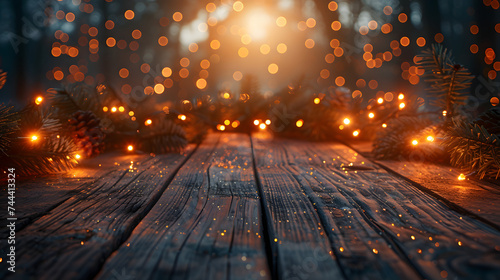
<point x="490" y="121"/>
<point x="87" y="133"/>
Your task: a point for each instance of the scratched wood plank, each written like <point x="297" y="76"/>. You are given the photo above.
<point x="55" y="189"/>
<point x="478" y="197"/>
<point x="299" y="240"/>
<point x="206" y="225"/>
<point x="73" y="240"/>
<point x="435" y="241"/>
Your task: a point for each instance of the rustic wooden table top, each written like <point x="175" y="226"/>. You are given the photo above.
<point x="241" y="207"/>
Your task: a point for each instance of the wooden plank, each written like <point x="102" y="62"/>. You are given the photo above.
<point x="55" y="189"/>
<point x="299" y="241"/>
<point x="435" y="241"/>
<point x="479" y="197"/>
<point x="73" y="240"/>
<point x="206" y="225"/>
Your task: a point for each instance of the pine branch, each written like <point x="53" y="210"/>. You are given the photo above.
<point x="74" y="98"/>
<point x="9" y="124"/>
<point x="163" y="137"/>
<point x="474" y="150"/>
<point x="448" y="80"/>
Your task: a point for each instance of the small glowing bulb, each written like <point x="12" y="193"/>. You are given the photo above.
<point x="347" y="121"/>
<point x="317" y="100"/>
<point x="77" y="156"/>
<point x="256" y="122"/>
<point x="113" y="109"/>
<point x="414" y="142"/>
<point x="268" y="122"/>
<point x="355" y="133"/>
<point x="221" y="127"/>
<point x="401" y="96"/>
<point x="227" y="122"/>
<point x="371" y="115"/>
<point x="262" y="126"/>
<point x="182" y="117"/>
<point x="226" y="95"/>
<point x="105" y="109"/>
<point x="384" y="125"/>
<point x="235" y="124"/>
<point x="445" y="113"/>
<point x="121" y="109"/>
<point x="38" y="100"/>
<point x="148" y="122"/>
<point x="402" y="105"/>
<point x="430" y="138"/>
<point x="341" y="127"/>
<point x="34" y="138"/>
<point x="380" y="100"/>
<point x="461" y="177"/>
<point x="299" y="123"/>
<point x="130" y="148"/>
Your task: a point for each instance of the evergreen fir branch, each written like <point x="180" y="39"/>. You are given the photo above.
<point x="449" y="81"/>
<point x="3" y="78"/>
<point x="165" y="137"/>
<point x="396" y="138"/>
<point x="9" y="125"/>
<point x="74" y="98"/>
<point x="474" y="150"/>
<point x="52" y="156"/>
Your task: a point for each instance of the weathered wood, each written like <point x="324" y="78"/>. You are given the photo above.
<point x="480" y="198"/>
<point x="73" y="239"/>
<point x="435" y="241"/>
<point x="299" y="241"/>
<point x="206" y="225"/>
<point x="36" y="197"/>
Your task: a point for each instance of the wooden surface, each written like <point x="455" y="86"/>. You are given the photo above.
<point x="241" y="207"/>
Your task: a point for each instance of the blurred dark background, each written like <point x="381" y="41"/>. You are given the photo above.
<point x="174" y="50"/>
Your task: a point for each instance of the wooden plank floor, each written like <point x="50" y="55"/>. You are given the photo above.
<point x="241" y="207"/>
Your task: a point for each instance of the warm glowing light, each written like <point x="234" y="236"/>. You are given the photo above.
<point x="227" y="122"/>
<point x="221" y="127"/>
<point x="113" y="109"/>
<point x="201" y="83"/>
<point x="273" y="68"/>
<point x="262" y="126"/>
<point x="341" y="127"/>
<point x="265" y="49"/>
<point x="177" y="16"/>
<point x="34" y="138"/>
<point x="371" y="115"/>
<point x="235" y="124"/>
<point x="77" y="156"/>
<point x="430" y="138"/>
<point x="238" y="6"/>
<point x="182" y="117"/>
<point x="347" y="121"/>
<point x="121" y="109"/>
<point x="258" y="22"/>
<point x="355" y="133"/>
<point x="317" y="100"/>
<point x="384" y="125"/>
<point x="461" y="177"/>
<point x="281" y="48"/>
<point x="444" y="113"/>
<point x="401" y="96"/>
<point x="299" y="123"/>
<point x="268" y="122"/>
<point x="380" y="100"/>
<point x="226" y="95"/>
<point x="38" y="100"/>
<point x="130" y="148"/>
<point x="256" y="122"/>
<point x="414" y="142"/>
<point x="402" y="105"/>
<point x="148" y="122"/>
<point x="281" y="21"/>
<point x="105" y="109"/>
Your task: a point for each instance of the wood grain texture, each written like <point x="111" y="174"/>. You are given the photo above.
<point x="423" y="232"/>
<point x="478" y="197"/>
<point x="37" y="196"/>
<point x="206" y="225"/>
<point x="73" y="240"/>
<point x="299" y="241"/>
